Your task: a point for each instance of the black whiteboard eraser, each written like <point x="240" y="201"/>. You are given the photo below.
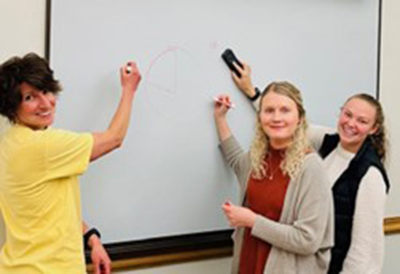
<point x="229" y="57"/>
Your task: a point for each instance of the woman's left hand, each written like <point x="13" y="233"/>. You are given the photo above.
<point x="100" y="259"/>
<point x="239" y="216"/>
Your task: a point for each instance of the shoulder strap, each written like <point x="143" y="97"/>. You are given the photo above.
<point x="329" y="143"/>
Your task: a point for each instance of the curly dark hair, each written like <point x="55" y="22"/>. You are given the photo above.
<point x="30" y="69"/>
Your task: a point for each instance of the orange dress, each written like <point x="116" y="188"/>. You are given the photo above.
<point x="264" y="197"/>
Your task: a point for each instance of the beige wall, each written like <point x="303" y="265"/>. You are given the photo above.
<point x="22" y="29"/>
<point x="390" y="94"/>
<point x="390" y="98"/>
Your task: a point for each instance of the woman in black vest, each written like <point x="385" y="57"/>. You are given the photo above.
<point x="353" y="155"/>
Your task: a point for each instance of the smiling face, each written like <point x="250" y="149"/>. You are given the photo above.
<point x="357" y="120"/>
<point x="37" y="107"/>
<point x="279" y="117"/>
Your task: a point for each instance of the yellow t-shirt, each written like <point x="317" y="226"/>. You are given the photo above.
<point x="40" y="200"/>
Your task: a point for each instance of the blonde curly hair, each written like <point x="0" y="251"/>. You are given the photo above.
<point x="295" y="153"/>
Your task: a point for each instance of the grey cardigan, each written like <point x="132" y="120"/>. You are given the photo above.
<point x="302" y="238"/>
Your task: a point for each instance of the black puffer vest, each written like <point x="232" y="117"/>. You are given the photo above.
<point x="345" y="194"/>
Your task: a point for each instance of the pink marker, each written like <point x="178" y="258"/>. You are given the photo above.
<point x="230" y="105"/>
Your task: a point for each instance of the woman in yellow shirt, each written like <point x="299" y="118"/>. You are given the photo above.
<point x="39" y="169"/>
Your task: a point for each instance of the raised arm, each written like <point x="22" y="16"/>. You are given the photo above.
<point x="244" y="81"/>
<point x="316" y="135"/>
<point x="221" y="107"/>
<point x="112" y="138"/>
<point x="245" y="85"/>
<point x="236" y="158"/>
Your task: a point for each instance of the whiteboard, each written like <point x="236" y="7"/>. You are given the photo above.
<point x="170" y="178"/>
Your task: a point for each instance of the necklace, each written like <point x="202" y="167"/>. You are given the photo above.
<point x="271" y="170"/>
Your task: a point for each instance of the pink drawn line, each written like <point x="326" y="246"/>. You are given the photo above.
<point x="161" y="87"/>
<point x="152" y="63"/>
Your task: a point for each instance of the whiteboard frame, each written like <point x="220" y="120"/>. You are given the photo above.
<point x="198" y="245"/>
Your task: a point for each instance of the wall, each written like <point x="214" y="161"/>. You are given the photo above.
<point x="22" y="30"/>
<point x="390" y="98"/>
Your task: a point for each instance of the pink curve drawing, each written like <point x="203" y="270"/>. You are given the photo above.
<point x="173" y="83"/>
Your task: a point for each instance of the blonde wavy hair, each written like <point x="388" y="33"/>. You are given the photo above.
<point x="295" y="153"/>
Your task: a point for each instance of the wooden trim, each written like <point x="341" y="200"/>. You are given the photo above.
<point x="158" y="260"/>
<point x="392" y="225"/>
<point x="169" y="249"/>
<point x="168" y="245"/>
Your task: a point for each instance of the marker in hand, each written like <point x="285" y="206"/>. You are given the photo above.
<point x="227" y="206"/>
<point x="228" y="203"/>
<point x="227" y="104"/>
<point x="128" y="68"/>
